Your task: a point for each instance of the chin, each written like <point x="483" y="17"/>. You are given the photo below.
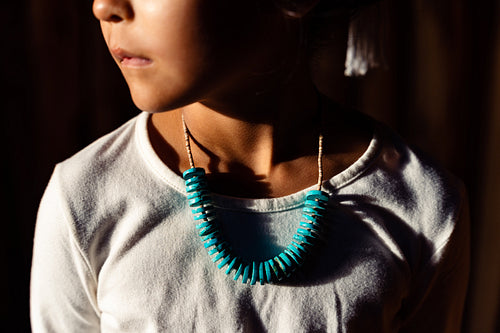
<point x="154" y="101"/>
<point x="153" y="104"/>
<point x="149" y="107"/>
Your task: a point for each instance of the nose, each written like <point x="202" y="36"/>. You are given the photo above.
<point x="112" y="10"/>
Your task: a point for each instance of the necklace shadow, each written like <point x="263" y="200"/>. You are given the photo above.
<point x="362" y="240"/>
<point x="239" y="182"/>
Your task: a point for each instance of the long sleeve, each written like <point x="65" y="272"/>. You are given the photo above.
<point x="63" y="287"/>
<point x="438" y="299"/>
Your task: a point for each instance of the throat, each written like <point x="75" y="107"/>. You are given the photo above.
<point x="283" y="170"/>
<point x="244" y="183"/>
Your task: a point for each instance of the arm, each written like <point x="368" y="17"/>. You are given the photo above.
<point x="63" y="287"/>
<point x="438" y="299"/>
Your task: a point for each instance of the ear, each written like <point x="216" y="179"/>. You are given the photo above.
<point x="297" y="8"/>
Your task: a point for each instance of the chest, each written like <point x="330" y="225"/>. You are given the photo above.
<point x="162" y="279"/>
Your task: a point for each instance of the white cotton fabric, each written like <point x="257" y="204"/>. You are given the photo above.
<point x="116" y="250"/>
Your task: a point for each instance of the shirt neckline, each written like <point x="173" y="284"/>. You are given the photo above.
<point x="264" y="205"/>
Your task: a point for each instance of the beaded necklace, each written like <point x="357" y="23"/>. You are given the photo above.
<point x="275" y="269"/>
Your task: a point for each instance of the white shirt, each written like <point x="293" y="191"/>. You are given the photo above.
<point x="116" y="249"/>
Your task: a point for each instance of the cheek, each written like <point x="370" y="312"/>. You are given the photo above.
<point x="175" y="43"/>
<point x="162" y="90"/>
<point x="197" y="47"/>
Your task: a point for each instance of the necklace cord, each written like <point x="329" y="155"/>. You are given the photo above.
<point x="320" y="141"/>
<point x="320" y="151"/>
<point x="320" y="161"/>
<point x="187" y="142"/>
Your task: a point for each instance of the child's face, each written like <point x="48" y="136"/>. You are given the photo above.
<point x="176" y="52"/>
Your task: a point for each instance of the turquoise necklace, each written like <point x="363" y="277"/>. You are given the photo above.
<point x="274" y="269"/>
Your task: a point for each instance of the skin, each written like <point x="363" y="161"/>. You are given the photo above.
<point x="238" y="74"/>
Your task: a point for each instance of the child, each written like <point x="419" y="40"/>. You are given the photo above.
<point x="311" y="217"/>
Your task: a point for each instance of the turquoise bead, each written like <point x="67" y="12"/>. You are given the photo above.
<point x="195" y="187"/>
<point x="206" y="202"/>
<point x="275" y="268"/>
<point x="203" y="188"/>
<point x="224" y="261"/>
<point x="302" y="239"/>
<point x="262" y="278"/>
<point x="214" y="234"/>
<point x="220" y="255"/>
<point x="312" y="226"/>
<point x="211" y="235"/>
<point x="300" y="247"/>
<point x="195" y="194"/>
<point x="287" y="261"/>
<point x="293" y="254"/>
<point x="255" y="273"/>
<point x="310" y="218"/>
<point x="246" y="273"/>
<point x="218" y="248"/>
<point x="294" y="260"/>
<point x="231" y="265"/>
<point x="267" y="268"/>
<point x="319" y="195"/>
<point x="282" y="266"/>
<point x="222" y="245"/>
<point x="208" y="230"/>
<point x="193" y="180"/>
<point x="315" y="204"/>
<point x="211" y="242"/>
<point x="239" y="271"/>
<point x="309" y="210"/>
<point x="205" y="216"/>
<point x="201" y="210"/>
<point x="193" y="172"/>
<point x="204" y="224"/>
<point x="304" y="232"/>
<point x="198" y="201"/>
<point x="209" y="219"/>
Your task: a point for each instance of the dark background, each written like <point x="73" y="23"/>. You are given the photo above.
<point x="440" y="90"/>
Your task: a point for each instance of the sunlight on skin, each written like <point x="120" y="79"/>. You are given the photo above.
<point x="246" y="92"/>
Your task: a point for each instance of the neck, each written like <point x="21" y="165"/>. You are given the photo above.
<point x="260" y="145"/>
<point x="254" y="132"/>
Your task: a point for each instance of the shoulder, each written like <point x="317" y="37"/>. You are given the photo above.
<point x="112" y="186"/>
<point x="405" y="194"/>
<point x="97" y="181"/>
<point x="418" y="182"/>
<point x="391" y="175"/>
<point x="102" y="152"/>
<point x="117" y="157"/>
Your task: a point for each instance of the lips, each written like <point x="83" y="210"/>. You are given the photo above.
<point x="128" y="59"/>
